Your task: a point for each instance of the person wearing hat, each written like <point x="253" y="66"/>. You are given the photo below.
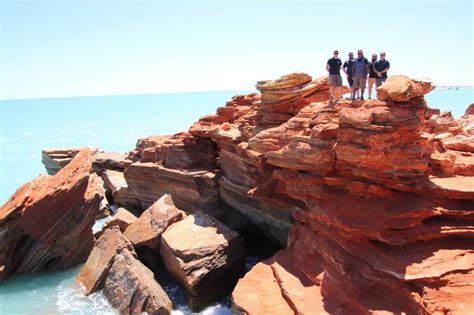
<point x="372" y="74"/>
<point x="333" y="67"/>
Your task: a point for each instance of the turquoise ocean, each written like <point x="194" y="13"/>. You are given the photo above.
<point x="112" y="123"/>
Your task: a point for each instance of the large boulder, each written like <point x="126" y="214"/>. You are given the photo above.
<point x="109" y="244"/>
<point x="400" y="88"/>
<point x="47" y="223"/>
<point x="205" y="256"/>
<point x="132" y="289"/>
<point x="147" y="229"/>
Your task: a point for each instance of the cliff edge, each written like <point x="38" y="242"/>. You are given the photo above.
<point x="373" y="200"/>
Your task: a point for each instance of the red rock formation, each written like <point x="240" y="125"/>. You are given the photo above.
<point x="382" y="227"/>
<point x="379" y="195"/>
<point x="110" y="243"/>
<point x="54" y="160"/>
<point x="147" y="229"/>
<point x="122" y="218"/>
<point x="205" y="256"/>
<point x="47" y="223"/>
<point x="132" y="289"/>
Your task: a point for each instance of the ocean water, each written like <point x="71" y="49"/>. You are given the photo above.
<point x="110" y="123"/>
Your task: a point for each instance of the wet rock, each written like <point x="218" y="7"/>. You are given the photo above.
<point x="47" y="223"/>
<point x="148" y="228"/>
<point x="205" y="256"/>
<point x="93" y="273"/>
<point x="132" y="289"/>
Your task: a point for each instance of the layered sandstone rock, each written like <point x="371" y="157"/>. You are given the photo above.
<point x="129" y="285"/>
<point x="132" y="289"/>
<point x="54" y="160"/>
<point x="110" y="161"/>
<point x="386" y="214"/>
<point x="117" y="188"/>
<point x="148" y="181"/>
<point x="47" y="223"/>
<point x="205" y="256"/>
<point x="122" y="219"/>
<point x="109" y="244"/>
<point x="147" y="230"/>
<point x="400" y="88"/>
<point x="378" y="194"/>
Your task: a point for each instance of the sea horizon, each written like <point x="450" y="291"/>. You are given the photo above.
<point x="437" y="87"/>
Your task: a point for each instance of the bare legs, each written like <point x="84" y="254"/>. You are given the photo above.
<point x="371" y="85"/>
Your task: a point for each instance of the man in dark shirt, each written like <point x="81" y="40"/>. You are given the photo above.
<point x="360" y="70"/>
<point x="381" y="67"/>
<point x="347" y="68"/>
<point x="372" y="74"/>
<point x="333" y="66"/>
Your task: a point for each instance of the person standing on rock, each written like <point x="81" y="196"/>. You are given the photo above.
<point x="360" y="70"/>
<point x="381" y="68"/>
<point x="347" y="68"/>
<point x="333" y="66"/>
<point x="372" y="74"/>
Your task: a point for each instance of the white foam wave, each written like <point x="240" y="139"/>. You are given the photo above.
<point x="72" y="300"/>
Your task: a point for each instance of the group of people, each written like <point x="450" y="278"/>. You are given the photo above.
<point x="357" y="70"/>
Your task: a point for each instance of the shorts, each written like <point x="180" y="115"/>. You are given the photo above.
<point x="335" y="80"/>
<point x="350" y="80"/>
<point x="359" y="82"/>
<point x="379" y="81"/>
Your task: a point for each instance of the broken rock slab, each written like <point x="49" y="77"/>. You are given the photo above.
<point x="147" y="229"/>
<point x="104" y="160"/>
<point x="205" y="256"/>
<point x="122" y="218"/>
<point x="131" y="288"/>
<point x="47" y="224"/>
<point x="109" y="244"/>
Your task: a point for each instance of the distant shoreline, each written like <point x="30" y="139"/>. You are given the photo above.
<point x="464" y="87"/>
<point x="438" y="87"/>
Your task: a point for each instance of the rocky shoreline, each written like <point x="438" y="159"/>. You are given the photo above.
<point x="371" y="203"/>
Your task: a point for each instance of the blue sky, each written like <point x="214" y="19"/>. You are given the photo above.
<point x="80" y="48"/>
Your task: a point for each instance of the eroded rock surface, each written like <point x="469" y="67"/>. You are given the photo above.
<point x="148" y="228"/>
<point x="375" y="199"/>
<point x="109" y="244"/>
<point x="387" y="211"/>
<point x="47" y="223"/>
<point x="122" y="218"/>
<point x="54" y="160"/>
<point x="205" y="256"/>
<point x="132" y="289"/>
